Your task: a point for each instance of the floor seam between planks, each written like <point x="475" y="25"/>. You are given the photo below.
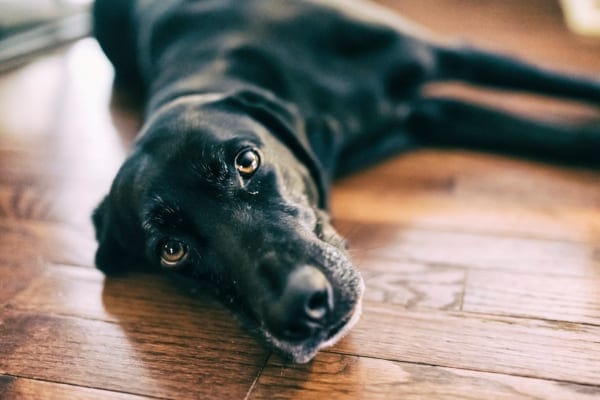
<point x="21" y="310"/>
<point x="479" y="315"/>
<point x="258" y="375"/>
<point x="32" y="378"/>
<point x="521" y="317"/>
<point x="462" y="369"/>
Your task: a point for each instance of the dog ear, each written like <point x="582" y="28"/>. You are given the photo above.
<point x="283" y="121"/>
<point x="111" y="256"/>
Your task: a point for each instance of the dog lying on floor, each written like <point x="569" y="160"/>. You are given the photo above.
<point x="252" y="108"/>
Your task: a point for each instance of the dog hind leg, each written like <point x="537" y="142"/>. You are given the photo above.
<point x="441" y="121"/>
<point x="490" y="69"/>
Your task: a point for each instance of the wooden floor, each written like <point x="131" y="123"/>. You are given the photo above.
<point x="482" y="271"/>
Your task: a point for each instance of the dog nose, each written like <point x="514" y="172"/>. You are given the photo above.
<point x="305" y="303"/>
<point x="309" y="293"/>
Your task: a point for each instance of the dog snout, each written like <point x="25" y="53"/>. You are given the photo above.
<point x="304" y="305"/>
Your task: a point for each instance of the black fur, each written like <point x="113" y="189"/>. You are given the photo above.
<point x="317" y="91"/>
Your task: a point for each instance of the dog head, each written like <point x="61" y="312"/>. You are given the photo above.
<point x="218" y="189"/>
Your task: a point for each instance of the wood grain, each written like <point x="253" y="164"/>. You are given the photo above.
<point x="413" y="284"/>
<point x="15" y="277"/>
<point x="150" y="359"/>
<point x="29" y="389"/>
<point x="559" y="298"/>
<point x="524" y="347"/>
<point x="131" y="299"/>
<point x="176" y="337"/>
<point x="36" y="241"/>
<point x="336" y="376"/>
<point x="396" y="242"/>
<point x="69" y="202"/>
<point x="466" y="192"/>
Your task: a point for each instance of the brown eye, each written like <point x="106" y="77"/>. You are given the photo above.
<point x="247" y="162"/>
<point x="172" y="252"/>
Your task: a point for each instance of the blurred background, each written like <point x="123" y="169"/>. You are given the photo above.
<point x="28" y="27"/>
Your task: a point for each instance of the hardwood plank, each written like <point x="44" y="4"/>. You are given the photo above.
<point x="16" y="277"/>
<point x="476" y="193"/>
<point x="45" y="242"/>
<point x="75" y="291"/>
<point x="531" y="348"/>
<point x="160" y="325"/>
<point x="69" y="202"/>
<point x="27" y="246"/>
<point x="479" y="175"/>
<point x="336" y="376"/>
<point x="34" y="168"/>
<point x="414" y="285"/>
<point x="187" y="361"/>
<point x="133" y="298"/>
<point x="73" y="135"/>
<point x="372" y="241"/>
<point x="30" y="389"/>
<point x="570" y="299"/>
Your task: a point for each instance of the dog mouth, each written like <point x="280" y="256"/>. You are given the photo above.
<point x="302" y="350"/>
<point x="340" y="329"/>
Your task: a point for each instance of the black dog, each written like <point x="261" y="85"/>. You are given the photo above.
<point x="253" y="107"/>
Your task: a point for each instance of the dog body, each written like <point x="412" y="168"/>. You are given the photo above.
<point x="253" y="107"/>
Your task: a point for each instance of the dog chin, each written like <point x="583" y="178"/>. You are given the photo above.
<point x="305" y="351"/>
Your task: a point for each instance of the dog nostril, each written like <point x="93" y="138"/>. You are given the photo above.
<point x="304" y="305"/>
<point x="318" y="305"/>
<point x="309" y="294"/>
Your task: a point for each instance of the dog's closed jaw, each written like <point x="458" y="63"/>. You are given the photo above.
<point x="308" y="336"/>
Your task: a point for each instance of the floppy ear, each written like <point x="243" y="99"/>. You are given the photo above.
<point x="111" y="256"/>
<point x="288" y="127"/>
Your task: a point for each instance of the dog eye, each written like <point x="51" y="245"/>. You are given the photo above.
<point x="247" y="162"/>
<point x="172" y="253"/>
